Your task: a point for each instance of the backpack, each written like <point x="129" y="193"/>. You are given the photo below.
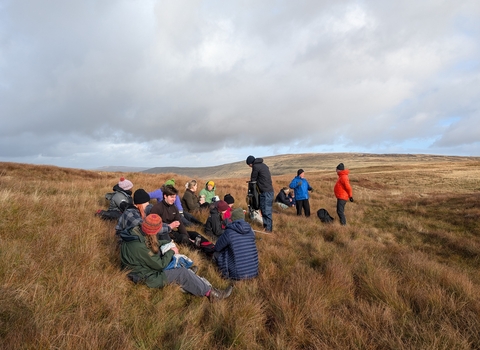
<point x="203" y="244"/>
<point x="324" y="216"/>
<point x="253" y="196"/>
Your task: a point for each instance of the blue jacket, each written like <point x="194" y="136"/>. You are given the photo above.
<point x="238" y="258"/>
<point x="301" y="188"/>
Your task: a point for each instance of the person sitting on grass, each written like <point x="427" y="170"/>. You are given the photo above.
<point x="135" y="213"/>
<point x="216" y="221"/>
<point x="208" y="192"/>
<point x="291" y="197"/>
<point x="282" y="198"/>
<point x="228" y="198"/>
<point x="187" y="220"/>
<point x="170" y="215"/>
<point x="140" y="252"/>
<point x="191" y="203"/>
<point x="119" y="199"/>
<point x="236" y="251"/>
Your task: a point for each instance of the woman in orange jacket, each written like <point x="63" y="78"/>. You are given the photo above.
<point x="343" y="192"/>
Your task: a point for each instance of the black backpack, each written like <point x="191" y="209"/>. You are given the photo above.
<point x="253" y="196"/>
<point x="324" y="216"/>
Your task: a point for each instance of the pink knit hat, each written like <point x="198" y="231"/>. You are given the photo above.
<point x="125" y="184"/>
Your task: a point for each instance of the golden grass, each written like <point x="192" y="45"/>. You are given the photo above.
<point x="403" y="274"/>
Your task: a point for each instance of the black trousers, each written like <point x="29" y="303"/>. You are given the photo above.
<point x="303" y="204"/>
<point x="341" y="210"/>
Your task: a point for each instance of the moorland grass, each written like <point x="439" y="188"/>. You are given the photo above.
<point x="403" y="274"/>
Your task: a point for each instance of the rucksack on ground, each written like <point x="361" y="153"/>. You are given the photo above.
<point x="324" y="216"/>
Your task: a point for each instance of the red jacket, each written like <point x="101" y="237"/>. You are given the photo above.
<point x="342" y="188"/>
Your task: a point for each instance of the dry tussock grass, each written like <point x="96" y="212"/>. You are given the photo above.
<point x="403" y="274"/>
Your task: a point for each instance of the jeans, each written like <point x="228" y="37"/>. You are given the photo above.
<point x="266" y="203"/>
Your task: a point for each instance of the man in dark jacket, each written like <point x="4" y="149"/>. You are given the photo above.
<point x="170" y="215"/>
<point x="261" y="174"/>
<point x="236" y="251"/>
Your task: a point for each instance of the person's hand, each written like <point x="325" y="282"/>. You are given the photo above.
<point x="351" y="199"/>
<point x="174" y="224"/>
<point x="175" y="249"/>
<point x="202" y="200"/>
<point x="311" y="189"/>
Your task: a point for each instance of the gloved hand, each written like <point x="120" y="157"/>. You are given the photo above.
<point x="311" y="189"/>
<point x="351" y="199"/>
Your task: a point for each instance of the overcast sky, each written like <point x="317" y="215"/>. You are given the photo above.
<point x="86" y="84"/>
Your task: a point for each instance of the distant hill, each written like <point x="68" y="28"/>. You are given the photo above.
<point x="124" y="169"/>
<point x="310" y="162"/>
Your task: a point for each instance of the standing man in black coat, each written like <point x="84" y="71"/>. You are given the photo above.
<point x="261" y="174"/>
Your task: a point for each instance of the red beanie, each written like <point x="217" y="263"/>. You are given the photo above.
<point x="222" y="206"/>
<point x="152" y="224"/>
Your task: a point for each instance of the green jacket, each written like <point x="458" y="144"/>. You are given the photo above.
<point x="136" y="256"/>
<point x="208" y="194"/>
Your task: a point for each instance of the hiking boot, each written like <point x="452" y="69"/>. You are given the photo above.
<point x="194" y="269"/>
<point x="217" y="294"/>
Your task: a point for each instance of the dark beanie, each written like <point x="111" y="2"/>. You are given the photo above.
<point x="299" y="172"/>
<point x="229" y="198"/>
<point x="140" y="196"/>
<point x="250" y="160"/>
<point x="340" y="166"/>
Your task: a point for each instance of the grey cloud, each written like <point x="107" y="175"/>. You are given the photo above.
<point x="203" y="76"/>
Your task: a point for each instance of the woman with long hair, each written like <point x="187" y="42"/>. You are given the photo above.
<point x="140" y="253"/>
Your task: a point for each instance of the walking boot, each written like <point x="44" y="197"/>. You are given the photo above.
<point x="217" y="294"/>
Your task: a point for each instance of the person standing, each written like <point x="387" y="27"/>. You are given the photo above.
<point x="343" y="192"/>
<point x="261" y="174"/>
<point x="301" y="187"/>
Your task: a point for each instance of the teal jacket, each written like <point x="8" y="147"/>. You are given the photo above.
<point x="138" y="258"/>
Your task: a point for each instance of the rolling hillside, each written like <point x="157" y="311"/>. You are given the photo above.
<point x="312" y="162"/>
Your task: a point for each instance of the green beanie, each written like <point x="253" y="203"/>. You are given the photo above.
<point x="170" y="182"/>
<point x="238" y="214"/>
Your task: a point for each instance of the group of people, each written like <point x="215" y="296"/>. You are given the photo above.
<point x="151" y="234"/>
<point x="297" y="193"/>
